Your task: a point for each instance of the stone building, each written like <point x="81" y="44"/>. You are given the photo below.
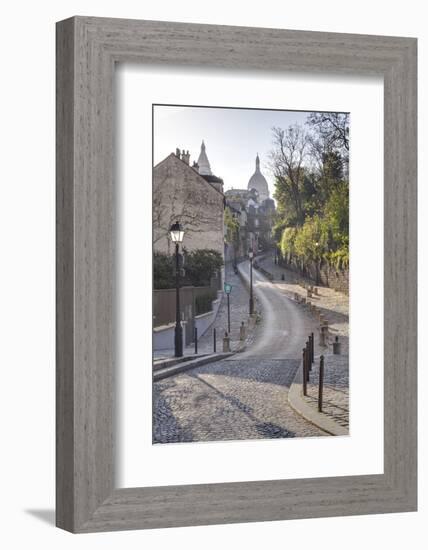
<point x="256" y="225"/>
<point x="192" y="195"/>
<point x="259" y="183"/>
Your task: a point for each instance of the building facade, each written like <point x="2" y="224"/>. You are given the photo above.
<point x="191" y="195"/>
<point x="254" y="210"/>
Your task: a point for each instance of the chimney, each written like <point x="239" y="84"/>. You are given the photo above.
<point x="195" y="166"/>
<point x="177" y="152"/>
<point x="185" y="157"/>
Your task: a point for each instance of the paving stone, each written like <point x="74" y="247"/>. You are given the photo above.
<point x="230" y="399"/>
<point x="246" y="397"/>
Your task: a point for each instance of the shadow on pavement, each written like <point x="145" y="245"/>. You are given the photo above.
<point x="166" y="428"/>
<point x="280" y="372"/>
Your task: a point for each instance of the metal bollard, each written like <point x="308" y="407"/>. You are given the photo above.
<point x="308" y="363"/>
<point x="196" y="340"/>
<point x="242" y="331"/>
<point x="336" y="346"/>
<point x="312" y="348"/>
<point x="226" y="343"/>
<point x="308" y="354"/>
<point x="304" y="372"/>
<point x="321" y="383"/>
<point x="215" y="341"/>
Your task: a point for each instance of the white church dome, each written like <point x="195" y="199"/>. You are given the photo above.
<point x="259" y="183"/>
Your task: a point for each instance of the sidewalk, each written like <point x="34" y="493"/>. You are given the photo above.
<point x="334" y="307"/>
<point x="334" y="418"/>
<point x="239" y="306"/>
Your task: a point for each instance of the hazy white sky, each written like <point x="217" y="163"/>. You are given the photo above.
<point x="232" y="137"/>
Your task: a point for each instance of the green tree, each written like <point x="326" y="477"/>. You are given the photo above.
<point x="310" y="166"/>
<point x="311" y="240"/>
<point x="232" y="227"/>
<point x="163" y="271"/>
<point x="287" y="244"/>
<point x="336" y="211"/>
<point x="200" y="265"/>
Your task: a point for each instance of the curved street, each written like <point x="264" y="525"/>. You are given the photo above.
<point x="246" y="395"/>
<point x="284" y="327"/>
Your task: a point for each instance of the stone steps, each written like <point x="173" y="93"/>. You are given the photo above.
<point x="172" y="361"/>
<point x="182" y="366"/>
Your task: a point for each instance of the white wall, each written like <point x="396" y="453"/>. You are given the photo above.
<point x="27" y="287"/>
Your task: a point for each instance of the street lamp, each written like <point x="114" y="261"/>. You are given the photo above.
<point x="177" y="234"/>
<point x="317" y="264"/>
<point x="228" y="290"/>
<point x="251" y="256"/>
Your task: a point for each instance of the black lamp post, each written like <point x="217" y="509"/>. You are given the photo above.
<point x="176" y="232"/>
<point x="228" y="290"/>
<point x="317" y="264"/>
<point x="251" y="256"/>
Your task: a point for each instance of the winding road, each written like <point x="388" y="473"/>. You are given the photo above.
<point x="246" y="395"/>
<point x="284" y="328"/>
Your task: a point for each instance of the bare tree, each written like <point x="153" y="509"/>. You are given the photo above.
<point x="173" y="200"/>
<point x="329" y="138"/>
<point x="287" y="164"/>
<point x="333" y="128"/>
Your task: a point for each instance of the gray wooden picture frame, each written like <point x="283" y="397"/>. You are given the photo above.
<point x="87" y="50"/>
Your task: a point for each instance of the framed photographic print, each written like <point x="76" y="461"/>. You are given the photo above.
<point x="236" y="274"/>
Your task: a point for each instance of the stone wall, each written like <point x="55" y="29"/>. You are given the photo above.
<point x="335" y="278"/>
<point x="325" y="275"/>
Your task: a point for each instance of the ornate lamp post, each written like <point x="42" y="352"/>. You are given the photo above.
<point x="251" y="256"/>
<point x="177" y="234"/>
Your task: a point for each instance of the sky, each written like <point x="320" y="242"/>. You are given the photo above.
<point x="233" y="137"/>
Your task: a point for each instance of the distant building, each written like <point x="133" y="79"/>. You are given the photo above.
<point x="259" y="183"/>
<point x="259" y="209"/>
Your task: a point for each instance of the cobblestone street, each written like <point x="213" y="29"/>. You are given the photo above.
<point x="246" y="395"/>
<point x="230" y="399"/>
<point x="335" y="308"/>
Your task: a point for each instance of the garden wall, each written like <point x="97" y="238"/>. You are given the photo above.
<point x="325" y="275"/>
